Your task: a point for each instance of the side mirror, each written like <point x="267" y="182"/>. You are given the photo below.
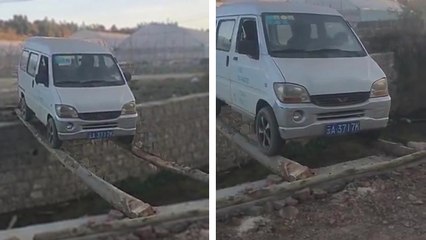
<point x="249" y="47"/>
<point x="41" y="78"/>
<point x="128" y="76"/>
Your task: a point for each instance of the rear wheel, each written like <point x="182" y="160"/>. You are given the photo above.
<point x="26" y="112"/>
<point x="267" y="132"/>
<point x="52" y="134"/>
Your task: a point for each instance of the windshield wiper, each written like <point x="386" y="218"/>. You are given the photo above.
<point x="289" y="51"/>
<point x="334" y="50"/>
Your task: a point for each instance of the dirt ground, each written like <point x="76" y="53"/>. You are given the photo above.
<point x="388" y="207"/>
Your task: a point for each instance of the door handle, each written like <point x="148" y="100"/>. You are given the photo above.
<point x="235" y="58"/>
<point x="227" y="61"/>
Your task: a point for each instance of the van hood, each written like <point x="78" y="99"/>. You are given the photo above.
<point x="331" y="75"/>
<point x="96" y="99"/>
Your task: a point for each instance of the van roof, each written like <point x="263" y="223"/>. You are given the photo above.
<point x="50" y="46"/>
<point x="257" y="8"/>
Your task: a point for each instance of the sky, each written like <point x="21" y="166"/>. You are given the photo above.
<point x="122" y="13"/>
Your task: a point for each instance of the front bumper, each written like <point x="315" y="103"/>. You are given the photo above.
<point x="121" y="126"/>
<point x="372" y="114"/>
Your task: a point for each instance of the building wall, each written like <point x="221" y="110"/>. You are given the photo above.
<point x="177" y="130"/>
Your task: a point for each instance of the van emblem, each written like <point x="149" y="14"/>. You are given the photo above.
<point x="342" y="99"/>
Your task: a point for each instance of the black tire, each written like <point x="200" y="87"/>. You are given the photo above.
<point x="267" y="132"/>
<point x="52" y="134"/>
<point x="219" y="105"/>
<point x="26" y="112"/>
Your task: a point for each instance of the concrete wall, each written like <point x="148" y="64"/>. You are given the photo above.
<point x="176" y="129"/>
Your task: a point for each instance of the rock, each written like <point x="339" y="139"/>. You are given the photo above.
<point x="363" y="191"/>
<point x="414" y="200"/>
<point x="303" y="195"/>
<point x="245" y="129"/>
<point x="319" y="193"/>
<point x="280" y="204"/>
<point x="418" y="146"/>
<point x="291" y="201"/>
<point x="289" y="212"/>
<point x="115" y="215"/>
<point x="251" y="223"/>
<point x="273" y="179"/>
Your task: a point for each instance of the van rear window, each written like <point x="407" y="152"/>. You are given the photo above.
<point x="86" y="70"/>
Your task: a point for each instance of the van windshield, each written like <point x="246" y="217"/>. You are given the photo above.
<point x="298" y="35"/>
<point x="85" y="70"/>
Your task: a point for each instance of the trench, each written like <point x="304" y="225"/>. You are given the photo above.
<point x="322" y="152"/>
<point x="161" y="189"/>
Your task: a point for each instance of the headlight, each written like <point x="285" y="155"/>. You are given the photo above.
<point x="65" y="111"/>
<point x="129" y="108"/>
<point x="379" y="88"/>
<point x="291" y="93"/>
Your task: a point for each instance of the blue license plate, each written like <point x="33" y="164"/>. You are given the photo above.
<point x="336" y="129"/>
<point x="100" y="135"/>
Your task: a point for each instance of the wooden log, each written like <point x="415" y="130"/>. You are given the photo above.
<point x="392" y="148"/>
<point x="287" y="189"/>
<point x="186" y="212"/>
<point x="127" y="204"/>
<point x="195" y="174"/>
<point x="286" y="168"/>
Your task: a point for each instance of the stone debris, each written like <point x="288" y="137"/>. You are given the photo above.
<point x="303" y="195"/>
<point x="251" y="223"/>
<point x="291" y="201"/>
<point x="279" y="204"/>
<point x="364" y="191"/>
<point x="115" y="215"/>
<point x="415" y="200"/>
<point x="319" y="193"/>
<point x="289" y="212"/>
<point x="273" y="179"/>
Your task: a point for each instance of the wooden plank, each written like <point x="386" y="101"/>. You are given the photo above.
<point x="392" y="148"/>
<point x="183" y="212"/>
<point x="127" y="204"/>
<point x="287" y="189"/>
<point x="195" y="174"/>
<point x="288" y="169"/>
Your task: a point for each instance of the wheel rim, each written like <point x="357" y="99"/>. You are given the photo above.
<point x="264" y="132"/>
<point x="50" y="132"/>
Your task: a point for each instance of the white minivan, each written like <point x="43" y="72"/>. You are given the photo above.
<point x="299" y="71"/>
<point x="76" y="89"/>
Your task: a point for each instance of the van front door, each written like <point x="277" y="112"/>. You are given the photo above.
<point x="31" y="93"/>
<point x="42" y="90"/>
<point x="224" y="36"/>
<point x="247" y="79"/>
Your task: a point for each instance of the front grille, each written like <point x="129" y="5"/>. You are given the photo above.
<point x="343" y="99"/>
<point x="100" y="125"/>
<point x="341" y="115"/>
<point x="99" y="115"/>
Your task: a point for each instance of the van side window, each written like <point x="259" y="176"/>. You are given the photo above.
<point x="247" y="38"/>
<point x="43" y="70"/>
<point x="24" y="60"/>
<point x="224" y="34"/>
<point x="32" y="64"/>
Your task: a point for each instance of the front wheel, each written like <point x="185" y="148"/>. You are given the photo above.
<point x="267" y="132"/>
<point x="52" y="134"/>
